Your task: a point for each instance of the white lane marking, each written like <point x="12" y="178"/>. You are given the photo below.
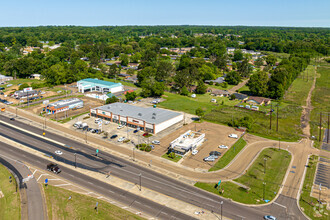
<point x="100" y="197"/>
<point x="41" y="176"/>
<point x="279" y="204"/>
<point x="124" y="207"/>
<point x="66" y="184"/>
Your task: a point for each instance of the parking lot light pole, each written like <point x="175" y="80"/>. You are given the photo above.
<point x="133" y="154"/>
<point x="140" y="181"/>
<point x="320" y="196"/>
<point x="221" y="208"/>
<point x="264" y="190"/>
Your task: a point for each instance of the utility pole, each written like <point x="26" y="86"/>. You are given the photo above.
<point x="320" y="196"/>
<point x="75" y="160"/>
<point x="265" y="160"/>
<point x="133" y="153"/>
<point x="328" y="128"/>
<point x="16" y="112"/>
<point x="264" y="190"/>
<point x="320" y="127"/>
<point x="270" y="116"/>
<point x="279" y="143"/>
<point x="277" y="119"/>
<point x="221" y="208"/>
<point x="140" y="180"/>
<point x="86" y="136"/>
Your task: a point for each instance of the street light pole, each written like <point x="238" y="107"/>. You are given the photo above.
<point x="320" y="196"/>
<point x="265" y="159"/>
<point x="221" y="208"/>
<point x="86" y="136"/>
<point x="279" y="143"/>
<point x="140" y="181"/>
<point x="16" y="112"/>
<point x="75" y="160"/>
<point x="133" y="153"/>
<point x="264" y="191"/>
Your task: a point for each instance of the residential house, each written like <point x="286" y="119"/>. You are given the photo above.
<point x="35" y="76"/>
<point x="217" y="80"/>
<point x="220" y="93"/>
<point x="192" y="89"/>
<point x="255" y="100"/>
<point x="240" y="96"/>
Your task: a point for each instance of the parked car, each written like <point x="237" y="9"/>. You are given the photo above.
<point x="269" y="217"/>
<point x="120" y="126"/>
<point x="12" y="119"/>
<point x="107" y="122"/>
<point x="152" y="146"/>
<point x="97" y="120"/>
<point x="215" y="153"/>
<point x="53" y="168"/>
<point x="233" y="136"/>
<point x="223" y="146"/>
<point x="209" y="158"/>
<point x="113" y="136"/>
<point x="156" y="142"/>
<point x="145" y="134"/>
<point x="194" y="152"/>
<point x="135" y="131"/>
<point x="121" y="139"/>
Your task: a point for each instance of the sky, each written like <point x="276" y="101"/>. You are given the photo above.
<point x="292" y="13"/>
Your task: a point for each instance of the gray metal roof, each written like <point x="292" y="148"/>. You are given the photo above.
<point x="150" y="115"/>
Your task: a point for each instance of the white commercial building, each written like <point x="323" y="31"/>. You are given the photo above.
<point x="92" y="85"/>
<point x="187" y="141"/>
<point x="153" y="120"/>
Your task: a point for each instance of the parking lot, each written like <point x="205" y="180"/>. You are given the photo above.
<point x="215" y="135"/>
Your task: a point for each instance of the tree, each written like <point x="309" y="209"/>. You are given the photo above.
<point x="271" y="60"/>
<point x="130" y="96"/>
<point x="233" y="78"/>
<point x="206" y="72"/>
<point x="112" y="99"/>
<point x="259" y="62"/>
<point x="164" y="70"/>
<point x="244" y="68"/>
<point x="199" y="112"/>
<point x="113" y="71"/>
<point x="258" y="83"/>
<point x="201" y="87"/>
<point x="184" y="91"/>
<point x="184" y="62"/>
<point x="146" y="73"/>
<point x="232" y="97"/>
<point x="124" y="59"/>
<point x="135" y="58"/>
<point x="238" y="55"/>
<point x="23" y="86"/>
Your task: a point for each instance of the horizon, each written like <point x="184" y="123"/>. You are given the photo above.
<point x="254" y="13"/>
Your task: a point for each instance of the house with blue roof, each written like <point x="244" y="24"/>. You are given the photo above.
<point x="92" y="85"/>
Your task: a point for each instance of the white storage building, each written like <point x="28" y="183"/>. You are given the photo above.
<point x="152" y="120"/>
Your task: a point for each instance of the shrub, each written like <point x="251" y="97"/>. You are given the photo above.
<point x="148" y="148"/>
<point x="217" y="84"/>
<point x="211" y="83"/>
<point x="126" y="140"/>
<point x="171" y="155"/>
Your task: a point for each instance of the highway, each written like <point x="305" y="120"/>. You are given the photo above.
<point x="129" y="171"/>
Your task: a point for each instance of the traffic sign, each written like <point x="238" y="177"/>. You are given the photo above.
<point x="46" y="181"/>
<point x="219" y="182"/>
<point x="97" y="150"/>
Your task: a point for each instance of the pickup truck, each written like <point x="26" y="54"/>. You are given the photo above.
<point x="53" y="168"/>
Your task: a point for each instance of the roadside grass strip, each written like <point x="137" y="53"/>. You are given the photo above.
<point x="175" y="159"/>
<point x="10" y="204"/>
<point x="250" y="188"/>
<point x="308" y="204"/>
<point x="64" y="204"/>
<point x="229" y="155"/>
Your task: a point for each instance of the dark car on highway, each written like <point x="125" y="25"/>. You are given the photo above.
<point x="53" y="168"/>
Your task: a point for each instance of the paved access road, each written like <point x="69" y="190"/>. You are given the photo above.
<point x="30" y="189"/>
<point x="134" y="201"/>
<point x="123" y="169"/>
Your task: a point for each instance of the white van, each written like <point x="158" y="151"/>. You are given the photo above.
<point x="233" y="136"/>
<point x="98" y="120"/>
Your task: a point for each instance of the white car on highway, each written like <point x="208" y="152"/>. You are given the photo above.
<point x="58" y="152"/>
<point x="121" y="139"/>
<point x="223" y="146"/>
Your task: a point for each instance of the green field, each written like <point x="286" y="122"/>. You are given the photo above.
<point x="320" y="100"/>
<point x="10" y="204"/>
<point x="80" y="206"/>
<point x="175" y="159"/>
<point x="189" y="105"/>
<point x="289" y="121"/>
<point x="276" y="166"/>
<point x="28" y="81"/>
<point x="306" y="202"/>
<point x="298" y="91"/>
<point x="229" y="155"/>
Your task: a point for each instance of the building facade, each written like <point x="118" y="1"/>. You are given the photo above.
<point x="64" y="105"/>
<point x="92" y="85"/>
<point x="152" y="120"/>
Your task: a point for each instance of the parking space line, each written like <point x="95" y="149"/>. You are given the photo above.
<point x="66" y="184"/>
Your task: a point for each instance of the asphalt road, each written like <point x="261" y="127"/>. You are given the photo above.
<point x="132" y="200"/>
<point x="33" y="192"/>
<point x="129" y="171"/>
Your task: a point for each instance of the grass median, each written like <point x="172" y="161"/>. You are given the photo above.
<point x="10" y="204"/>
<point x="229" y="155"/>
<point x="175" y="159"/>
<point x="59" y="206"/>
<point x="306" y="202"/>
<point x="250" y="187"/>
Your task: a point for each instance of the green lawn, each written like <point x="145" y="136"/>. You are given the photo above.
<point x="189" y="105"/>
<point x="17" y="81"/>
<point x="175" y="159"/>
<point x="73" y="117"/>
<point x="244" y="89"/>
<point x="276" y="167"/>
<point x="320" y="100"/>
<point x="229" y="155"/>
<point x="306" y="202"/>
<point x="289" y="120"/>
<point x="10" y="204"/>
<point x="81" y="206"/>
<point x="300" y="87"/>
<point x="220" y="87"/>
